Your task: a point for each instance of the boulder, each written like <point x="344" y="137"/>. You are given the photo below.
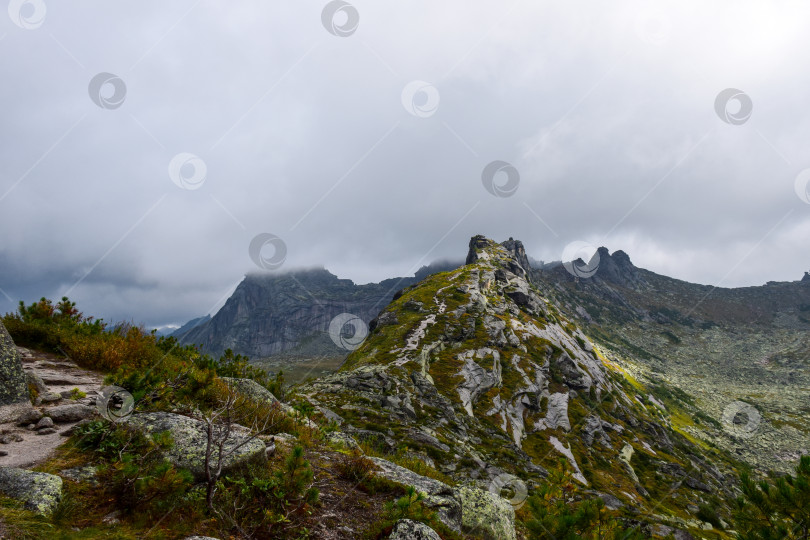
<point x="85" y="473"/>
<point x="486" y="515"/>
<point x="374" y="438"/>
<point x="50" y="397"/>
<point x="438" y="496"/>
<point x="407" y="529"/>
<point x="36" y="381"/>
<point x="671" y="532"/>
<point x="13" y="382"/>
<point x="611" y="502"/>
<point x="8" y="438"/>
<point x="29" y="416"/>
<point x="696" y="484"/>
<point x="189" y="441"/>
<point x="342" y="439"/>
<point x="594" y="429"/>
<point x="250" y="389"/>
<point x="574" y="377"/>
<point x="40" y="492"/>
<point x="44" y="422"/>
<point x="427" y="439"/>
<point x="557" y="413"/>
<point x="62" y="414"/>
<point x="330" y="415"/>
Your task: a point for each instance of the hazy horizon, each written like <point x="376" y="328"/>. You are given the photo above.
<point x="148" y="146"/>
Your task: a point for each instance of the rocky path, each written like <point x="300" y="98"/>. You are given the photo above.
<point x="66" y="396"/>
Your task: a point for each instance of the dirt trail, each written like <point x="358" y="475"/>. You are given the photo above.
<point x="26" y="447"/>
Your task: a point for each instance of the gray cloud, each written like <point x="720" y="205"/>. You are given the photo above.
<point x="607" y="112"/>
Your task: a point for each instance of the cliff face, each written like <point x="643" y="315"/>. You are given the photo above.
<point x="270" y="314"/>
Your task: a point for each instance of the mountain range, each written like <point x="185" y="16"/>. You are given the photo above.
<point x="741" y="351"/>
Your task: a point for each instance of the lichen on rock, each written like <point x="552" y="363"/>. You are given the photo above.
<point x="189" y="441"/>
<point x="40" y="492"/>
<point x="13" y="382"/>
<point x="485" y="515"/>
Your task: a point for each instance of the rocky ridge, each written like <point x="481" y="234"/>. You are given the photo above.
<point x="734" y="360"/>
<point x="479" y="374"/>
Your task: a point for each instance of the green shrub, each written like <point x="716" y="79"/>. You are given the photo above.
<point x="257" y="501"/>
<point x="133" y="471"/>
<point x="355" y="467"/>
<point x="709" y="515"/>
<point x="554" y="514"/>
<point x="779" y="508"/>
<point x="409" y="506"/>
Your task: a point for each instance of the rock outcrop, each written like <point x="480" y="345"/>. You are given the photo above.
<point x="487" y="516"/>
<point x="251" y="390"/>
<point x="706" y="344"/>
<point x="40" y="492"/>
<point x="13" y="382"/>
<point x="189" y="441"/>
<point x="484" y="378"/>
<point x="439" y="497"/>
<point x="407" y="529"/>
<point x="617" y="269"/>
<point x="464" y="509"/>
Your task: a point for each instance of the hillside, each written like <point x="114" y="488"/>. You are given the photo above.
<point x="489" y="401"/>
<point x="740" y="355"/>
<point x="481" y="375"/>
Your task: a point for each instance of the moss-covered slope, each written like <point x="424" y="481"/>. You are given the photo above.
<point x="478" y="373"/>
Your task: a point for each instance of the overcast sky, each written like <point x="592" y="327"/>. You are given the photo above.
<point x="362" y="147"/>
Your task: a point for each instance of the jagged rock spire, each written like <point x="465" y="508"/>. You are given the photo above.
<point x="515" y="247"/>
<point x="519" y="264"/>
<point x="477" y="242"/>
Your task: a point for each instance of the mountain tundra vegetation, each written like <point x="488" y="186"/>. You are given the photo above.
<point x="489" y="400"/>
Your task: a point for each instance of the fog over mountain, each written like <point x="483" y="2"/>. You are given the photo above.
<point x="608" y="115"/>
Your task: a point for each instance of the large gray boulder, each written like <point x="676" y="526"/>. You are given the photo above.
<point x="13" y="382"/>
<point x="73" y="412"/>
<point x="407" y="529"/>
<point x="40" y="492"/>
<point x="438" y="496"/>
<point x="486" y="515"/>
<point x="189" y="441"/>
<point x="250" y="389"/>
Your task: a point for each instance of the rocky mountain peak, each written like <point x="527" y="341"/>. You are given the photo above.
<point x="617" y="269"/>
<point x="510" y="255"/>
<point x="479" y="373"/>
<point x="515" y="247"/>
<point x="478" y="243"/>
<point x="806" y="278"/>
